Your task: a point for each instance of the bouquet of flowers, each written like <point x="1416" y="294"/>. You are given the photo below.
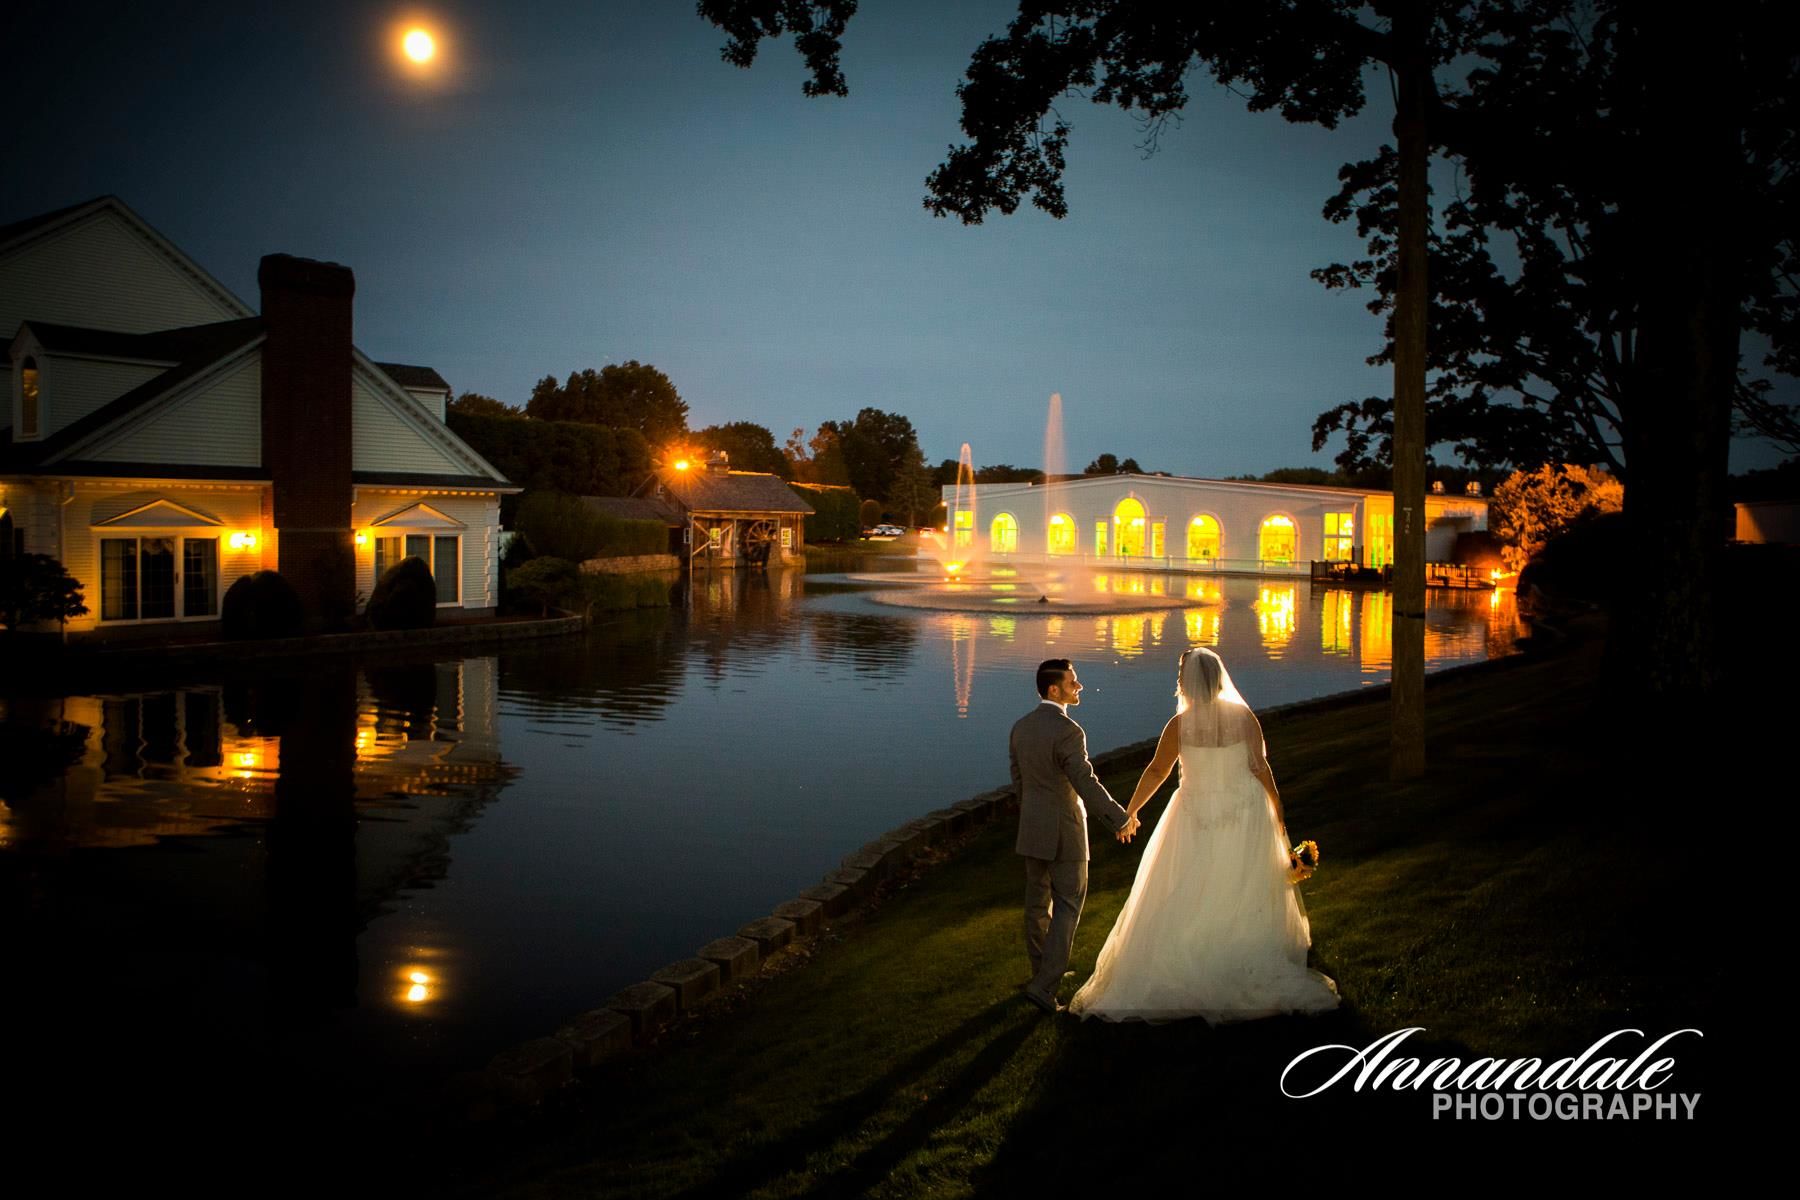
<point x="1303" y="860"/>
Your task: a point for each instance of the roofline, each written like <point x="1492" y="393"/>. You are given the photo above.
<point x="1331" y="488"/>
<point x="63" y="219"/>
<point x="439" y="430"/>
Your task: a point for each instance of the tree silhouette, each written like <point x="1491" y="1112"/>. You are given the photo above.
<point x="1305" y="60"/>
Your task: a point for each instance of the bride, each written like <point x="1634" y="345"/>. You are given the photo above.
<point x="1212" y="928"/>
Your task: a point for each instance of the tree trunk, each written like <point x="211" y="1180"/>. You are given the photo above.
<point x="1662" y="642"/>
<point x="1407" y="693"/>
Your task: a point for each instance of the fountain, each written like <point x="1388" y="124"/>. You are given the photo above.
<point x="965" y="579"/>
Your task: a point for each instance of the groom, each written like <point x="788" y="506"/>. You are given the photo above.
<point x="1052" y="776"/>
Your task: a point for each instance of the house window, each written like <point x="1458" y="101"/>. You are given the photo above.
<point x="1099" y="538"/>
<point x="787" y="537"/>
<point x="158" y="578"/>
<point x="1062" y="534"/>
<point x="441" y="554"/>
<point x="1339" y="534"/>
<point x="965" y="527"/>
<point x="30" y="416"/>
<point x="1156" y="539"/>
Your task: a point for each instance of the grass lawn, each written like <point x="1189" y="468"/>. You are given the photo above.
<point x="1512" y="902"/>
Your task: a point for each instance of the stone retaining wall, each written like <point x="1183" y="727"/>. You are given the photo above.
<point x="526" y="1073"/>
<point x="631" y="564"/>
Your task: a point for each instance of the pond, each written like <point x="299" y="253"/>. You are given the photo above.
<point x="386" y="870"/>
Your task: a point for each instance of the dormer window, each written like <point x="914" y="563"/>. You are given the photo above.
<point x="30" y="418"/>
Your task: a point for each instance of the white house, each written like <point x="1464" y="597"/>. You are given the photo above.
<point x="164" y="439"/>
<point x="1163" y="522"/>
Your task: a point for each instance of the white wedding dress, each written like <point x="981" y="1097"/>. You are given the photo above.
<point x="1212" y="928"/>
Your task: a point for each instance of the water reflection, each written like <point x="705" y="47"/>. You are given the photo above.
<point x="434" y="858"/>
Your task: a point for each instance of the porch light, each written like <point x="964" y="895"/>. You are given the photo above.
<point x="243" y="540"/>
<point x="362" y="537"/>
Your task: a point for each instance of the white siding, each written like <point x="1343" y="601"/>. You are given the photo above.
<point x="102" y="273"/>
<point x="71" y="388"/>
<point x="386" y="441"/>
<point x="219" y="423"/>
<point x="431" y="402"/>
<point x="480" y="540"/>
<point x="239" y="507"/>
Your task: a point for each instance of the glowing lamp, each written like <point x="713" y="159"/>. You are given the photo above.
<point x="243" y="540"/>
<point x="362" y="537"/>
<point x="681" y="464"/>
<point x="418" y="45"/>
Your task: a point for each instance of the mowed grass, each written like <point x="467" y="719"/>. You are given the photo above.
<point x="1517" y="900"/>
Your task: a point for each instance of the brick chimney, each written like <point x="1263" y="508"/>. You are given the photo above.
<point x="306" y="430"/>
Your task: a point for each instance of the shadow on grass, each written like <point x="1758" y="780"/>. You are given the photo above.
<point x="768" y="1163"/>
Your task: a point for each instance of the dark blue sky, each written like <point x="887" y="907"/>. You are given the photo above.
<point x="585" y="183"/>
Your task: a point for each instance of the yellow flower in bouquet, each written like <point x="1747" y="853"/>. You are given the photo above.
<point x="1303" y="860"/>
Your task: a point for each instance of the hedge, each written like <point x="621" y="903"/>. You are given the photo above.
<point x="837" y="515"/>
<point x="557" y="456"/>
<point x="565" y="527"/>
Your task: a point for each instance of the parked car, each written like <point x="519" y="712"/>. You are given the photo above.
<point x="884" y="531"/>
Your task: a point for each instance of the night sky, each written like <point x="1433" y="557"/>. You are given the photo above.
<point x="580" y="183"/>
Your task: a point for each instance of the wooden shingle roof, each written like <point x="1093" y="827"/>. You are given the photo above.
<point x="706" y="491"/>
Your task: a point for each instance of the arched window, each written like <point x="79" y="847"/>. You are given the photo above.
<point x="1003" y="537"/>
<point x="1203" y="539"/>
<point x="1276" y="545"/>
<point x="30" y="416"/>
<point x="1128" y="528"/>
<point x="1062" y="534"/>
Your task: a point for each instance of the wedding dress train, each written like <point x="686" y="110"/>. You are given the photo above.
<point x="1212" y="928"/>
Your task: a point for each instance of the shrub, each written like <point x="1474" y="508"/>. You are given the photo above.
<point x="543" y="583"/>
<point x="836" y="515"/>
<point x="1586" y="562"/>
<point x="36" y="587"/>
<point x="262" y="605"/>
<point x="405" y="597"/>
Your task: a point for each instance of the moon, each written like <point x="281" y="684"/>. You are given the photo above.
<point x="419" y="45"/>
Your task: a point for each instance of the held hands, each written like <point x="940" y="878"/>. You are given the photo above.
<point x="1131" y="827"/>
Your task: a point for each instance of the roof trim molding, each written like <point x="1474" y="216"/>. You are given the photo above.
<point x="59" y="223"/>
<point x="144" y="413"/>
<point x="417" y="516"/>
<point x="143" y="516"/>
<point x="412" y="410"/>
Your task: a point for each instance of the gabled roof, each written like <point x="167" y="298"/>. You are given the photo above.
<point x="203" y="346"/>
<point x="700" y="490"/>
<point x="20" y="230"/>
<point x="423" y="378"/>
<point x="21" y="233"/>
<point x="164" y="346"/>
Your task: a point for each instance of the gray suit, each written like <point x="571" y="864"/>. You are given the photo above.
<point x="1052" y="777"/>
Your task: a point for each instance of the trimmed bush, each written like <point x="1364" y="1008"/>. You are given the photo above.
<point x="36" y="587"/>
<point x="836" y="513"/>
<point x="405" y="597"/>
<point x="262" y="605"/>
<point x="566" y="527"/>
